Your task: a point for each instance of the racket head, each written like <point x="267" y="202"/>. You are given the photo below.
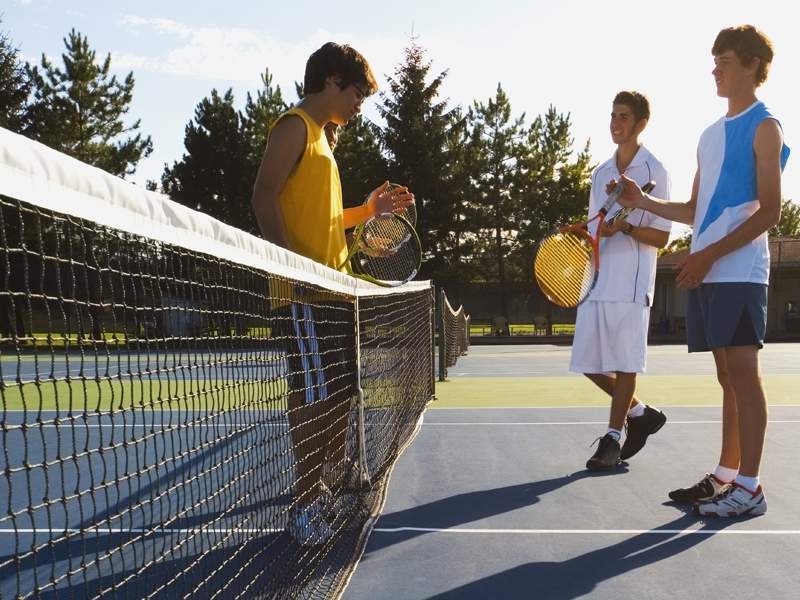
<point x="566" y="266"/>
<point x="388" y="251"/>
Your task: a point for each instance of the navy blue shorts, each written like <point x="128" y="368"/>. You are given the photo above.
<point x="720" y="315"/>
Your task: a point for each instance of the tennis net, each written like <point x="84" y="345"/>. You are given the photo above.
<point x="178" y="398"/>
<point x="453" y="334"/>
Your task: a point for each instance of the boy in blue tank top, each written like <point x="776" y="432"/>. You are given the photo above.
<point x="736" y="198"/>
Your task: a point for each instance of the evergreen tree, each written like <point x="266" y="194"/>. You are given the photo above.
<point x="14" y="86"/>
<point x="362" y="166"/>
<point x="79" y="110"/>
<point x="223" y="153"/>
<point x="555" y="187"/>
<point x="215" y="175"/>
<point x="416" y="141"/>
<point x="260" y="113"/>
<point x="500" y="141"/>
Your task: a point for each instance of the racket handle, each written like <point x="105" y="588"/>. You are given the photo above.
<point x="649" y="187"/>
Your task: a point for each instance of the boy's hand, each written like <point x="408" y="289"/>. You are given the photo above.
<point x="693" y="269"/>
<point x="385" y="199"/>
<point x="609" y="229"/>
<point x="632" y="195"/>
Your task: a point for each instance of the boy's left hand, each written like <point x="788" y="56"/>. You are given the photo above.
<point x="607" y="230"/>
<point x="693" y="269"/>
<point x="384" y="199"/>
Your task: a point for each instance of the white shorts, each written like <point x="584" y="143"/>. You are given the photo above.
<point x="609" y="337"/>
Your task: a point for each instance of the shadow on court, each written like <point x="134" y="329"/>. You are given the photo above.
<point x="473" y="506"/>
<point x="578" y="576"/>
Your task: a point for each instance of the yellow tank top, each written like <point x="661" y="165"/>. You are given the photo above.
<point x="311" y="200"/>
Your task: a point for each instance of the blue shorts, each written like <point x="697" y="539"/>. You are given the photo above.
<point x="321" y="364"/>
<point x="720" y="315"/>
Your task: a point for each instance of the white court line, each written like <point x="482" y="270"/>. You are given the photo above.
<point x="605" y="406"/>
<point x="593" y="531"/>
<point x="431" y="424"/>
<point x="195" y="530"/>
<point x="153" y="530"/>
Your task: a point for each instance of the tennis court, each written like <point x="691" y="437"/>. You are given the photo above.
<point x="492" y="500"/>
<point x="153" y="363"/>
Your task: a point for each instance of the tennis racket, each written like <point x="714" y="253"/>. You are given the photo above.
<point x="567" y="262"/>
<point x="385" y="250"/>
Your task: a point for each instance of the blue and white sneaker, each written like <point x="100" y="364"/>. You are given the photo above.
<point x="307" y="523"/>
<point x="736" y="501"/>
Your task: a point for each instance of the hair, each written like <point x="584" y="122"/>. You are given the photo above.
<point x="342" y="61"/>
<point x="637" y="102"/>
<point x="747" y="43"/>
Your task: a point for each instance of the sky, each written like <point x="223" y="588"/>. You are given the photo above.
<point x="574" y="55"/>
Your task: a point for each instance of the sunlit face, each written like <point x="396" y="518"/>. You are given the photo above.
<point x="348" y="101"/>
<point x="731" y="76"/>
<point x="623" y="124"/>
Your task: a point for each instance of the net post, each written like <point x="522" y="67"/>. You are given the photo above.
<point x="442" y="334"/>
<point x="363" y="469"/>
<point x="432" y="319"/>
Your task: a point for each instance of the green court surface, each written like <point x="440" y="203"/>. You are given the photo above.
<point x="664" y="390"/>
<point x="168" y="394"/>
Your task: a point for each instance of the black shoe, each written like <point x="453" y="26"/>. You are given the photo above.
<point x="639" y="428"/>
<point x="607" y="455"/>
<point x="707" y="488"/>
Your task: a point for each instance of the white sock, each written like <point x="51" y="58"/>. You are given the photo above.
<point x="725" y="474"/>
<point x="748" y="483"/>
<point x="615" y="433"/>
<point x="636" y="411"/>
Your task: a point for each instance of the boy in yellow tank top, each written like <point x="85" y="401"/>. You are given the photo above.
<point x="297" y="199"/>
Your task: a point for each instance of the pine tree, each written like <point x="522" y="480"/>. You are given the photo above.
<point x="260" y="113"/>
<point x="362" y="166"/>
<point x="79" y="110"/>
<point x="14" y="86"/>
<point x="223" y="152"/>
<point x="500" y="144"/>
<point x="214" y="175"/>
<point x="416" y="141"/>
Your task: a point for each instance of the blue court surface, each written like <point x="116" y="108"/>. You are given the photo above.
<point x="496" y="503"/>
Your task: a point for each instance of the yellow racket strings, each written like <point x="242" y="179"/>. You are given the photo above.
<point x="564" y="268"/>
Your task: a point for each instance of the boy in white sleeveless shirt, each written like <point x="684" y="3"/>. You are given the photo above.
<point x="736" y="198"/>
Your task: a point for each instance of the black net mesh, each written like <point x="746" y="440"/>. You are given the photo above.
<point x="176" y="425"/>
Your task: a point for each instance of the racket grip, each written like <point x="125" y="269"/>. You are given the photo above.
<point x="649" y="187"/>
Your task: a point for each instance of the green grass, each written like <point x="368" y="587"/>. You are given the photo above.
<point x="661" y="390"/>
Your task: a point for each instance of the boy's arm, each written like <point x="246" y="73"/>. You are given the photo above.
<point x="284" y="148"/>
<point x="767" y="146"/>
<point x="649" y="236"/>
<point x="682" y="212"/>
<point x="381" y="200"/>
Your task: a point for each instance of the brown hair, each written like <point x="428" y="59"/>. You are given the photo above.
<point x="637" y="102"/>
<point x="747" y="43"/>
<point x="342" y="61"/>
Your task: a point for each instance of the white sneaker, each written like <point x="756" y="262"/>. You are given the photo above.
<point x="307" y="524"/>
<point x="735" y="502"/>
